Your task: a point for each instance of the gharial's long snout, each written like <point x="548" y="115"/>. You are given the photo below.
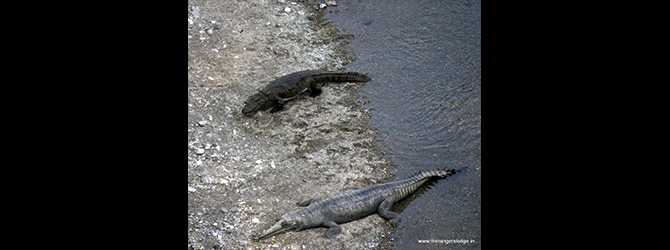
<point x="277" y="228"/>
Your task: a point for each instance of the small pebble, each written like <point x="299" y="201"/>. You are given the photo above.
<point x="190" y="189"/>
<point x="323" y="5"/>
<point x="255" y="220"/>
<point x="287" y="10"/>
<point x="331" y="2"/>
<point x="281" y="1"/>
<point x="202" y="123"/>
<point x="210" y="31"/>
<point x="258" y="161"/>
<point x="199" y="151"/>
<point x="223" y="209"/>
<point x="196" y="11"/>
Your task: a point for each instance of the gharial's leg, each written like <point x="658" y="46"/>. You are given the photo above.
<point x="307" y="202"/>
<point x="384" y="211"/>
<point x="332" y="230"/>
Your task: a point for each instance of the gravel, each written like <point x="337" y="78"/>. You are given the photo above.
<point x="244" y="172"/>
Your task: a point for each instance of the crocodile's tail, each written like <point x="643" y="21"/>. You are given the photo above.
<point x="341" y="77"/>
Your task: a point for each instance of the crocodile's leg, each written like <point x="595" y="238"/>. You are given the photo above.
<point x="279" y="103"/>
<point x="332" y="230"/>
<point x="307" y="202"/>
<point x="314" y="90"/>
<point x="384" y="211"/>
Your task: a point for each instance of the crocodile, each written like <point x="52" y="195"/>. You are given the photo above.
<point x="290" y="86"/>
<point x="350" y="205"/>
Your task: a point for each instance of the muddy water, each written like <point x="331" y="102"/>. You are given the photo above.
<point x="425" y="59"/>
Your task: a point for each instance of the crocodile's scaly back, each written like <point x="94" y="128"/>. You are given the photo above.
<point x="330" y="76"/>
<point x="290" y="86"/>
<point x="352" y="204"/>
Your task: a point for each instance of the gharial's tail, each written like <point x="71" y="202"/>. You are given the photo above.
<point x="436" y="172"/>
<point x="405" y="187"/>
<point x="341" y="77"/>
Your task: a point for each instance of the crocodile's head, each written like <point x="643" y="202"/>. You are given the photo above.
<point x="283" y="225"/>
<point x="255" y="103"/>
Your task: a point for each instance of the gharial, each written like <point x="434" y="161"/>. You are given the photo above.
<point x="350" y="205"/>
<point x="290" y="86"/>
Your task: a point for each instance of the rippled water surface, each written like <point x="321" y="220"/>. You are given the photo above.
<point x="425" y="60"/>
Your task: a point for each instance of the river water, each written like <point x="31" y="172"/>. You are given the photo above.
<point x="422" y="109"/>
<point x="424" y="58"/>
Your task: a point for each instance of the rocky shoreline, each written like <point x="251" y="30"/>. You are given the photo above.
<point x="243" y="172"/>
